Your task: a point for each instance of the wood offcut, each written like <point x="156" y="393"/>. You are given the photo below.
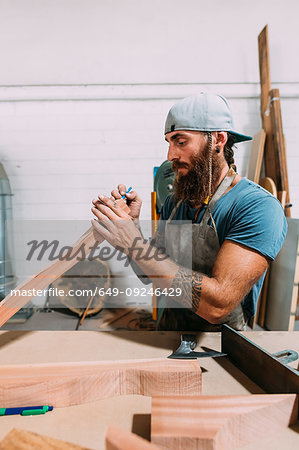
<point x="66" y="384"/>
<point x="219" y="422"/>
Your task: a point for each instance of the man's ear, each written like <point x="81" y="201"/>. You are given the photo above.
<point x="220" y="139"/>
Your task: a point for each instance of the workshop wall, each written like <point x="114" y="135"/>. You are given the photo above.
<point x="85" y="87"/>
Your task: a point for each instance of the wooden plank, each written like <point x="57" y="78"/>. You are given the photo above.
<point x="18" y="439"/>
<point x="282" y="197"/>
<point x="118" y="439"/>
<point x="283" y="283"/>
<point x="66" y="384"/>
<point x="268" y="184"/>
<point x="219" y="422"/>
<point x="265" y="83"/>
<point x="274" y="154"/>
<point x="256" y="156"/>
<point x="12" y="303"/>
<point x="279" y="150"/>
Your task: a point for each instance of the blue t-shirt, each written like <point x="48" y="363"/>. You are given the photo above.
<point x="246" y="214"/>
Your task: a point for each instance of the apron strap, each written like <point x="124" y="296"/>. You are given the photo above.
<point x="223" y="186"/>
<point x="173" y="211"/>
<point x="225" y="183"/>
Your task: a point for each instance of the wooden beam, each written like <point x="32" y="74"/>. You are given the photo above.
<point x="118" y="439"/>
<point x="256" y="156"/>
<point x="279" y="150"/>
<point x="66" y="384"/>
<point x="282" y="197"/>
<point x="268" y="184"/>
<point x="274" y="153"/>
<point x="265" y="83"/>
<point x="12" y="303"/>
<point x="219" y="422"/>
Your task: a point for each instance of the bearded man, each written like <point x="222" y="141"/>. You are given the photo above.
<point x="216" y="262"/>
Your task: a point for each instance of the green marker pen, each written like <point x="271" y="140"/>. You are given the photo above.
<point x="26" y="410"/>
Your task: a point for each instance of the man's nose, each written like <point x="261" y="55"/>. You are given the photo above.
<point x="172" y="154"/>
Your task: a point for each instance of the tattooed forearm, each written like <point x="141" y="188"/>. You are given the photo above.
<point x="196" y="290"/>
<point x="190" y="284"/>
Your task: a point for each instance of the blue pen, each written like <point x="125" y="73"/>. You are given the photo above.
<point x="26" y="410"/>
<point x="130" y="188"/>
<point x="123" y="196"/>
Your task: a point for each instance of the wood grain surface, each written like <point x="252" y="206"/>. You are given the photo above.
<point x="279" y="149"/>
<point x="86" y="424"/>
<point x="18" y="439"/>
<point x="265" y="83"/>
<point x="65" y="384"/>
<point x="219" y="422"/>
<point x="256" y="156"/>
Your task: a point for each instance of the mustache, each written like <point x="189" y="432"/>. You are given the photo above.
<point x="177" y="165"/>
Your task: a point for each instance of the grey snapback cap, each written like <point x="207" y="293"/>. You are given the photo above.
<point x="203" y="112"/>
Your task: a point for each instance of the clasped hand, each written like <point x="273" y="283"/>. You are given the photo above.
<point x="113" y="224"/>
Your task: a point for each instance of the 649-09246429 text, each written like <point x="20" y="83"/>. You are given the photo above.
<point x="112" y="292"/>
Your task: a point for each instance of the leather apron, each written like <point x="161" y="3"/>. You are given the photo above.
<point x="201" y="241"/>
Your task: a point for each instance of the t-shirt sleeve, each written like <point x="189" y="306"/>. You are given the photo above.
<point x="259" y="224"/>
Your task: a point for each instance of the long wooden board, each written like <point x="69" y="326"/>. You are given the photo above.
<point x="268" y="184"/>
<point x="219" y="422"/>
<point x="66" y="384"/>
<point x="12" y="303"/>
<point x="256" y="156"/>
<point x="274" y="152"/>
<point x="279" y="150"/>
<point x="265" y="83"/>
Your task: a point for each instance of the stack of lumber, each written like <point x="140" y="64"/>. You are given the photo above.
<point x="274" y="153"/>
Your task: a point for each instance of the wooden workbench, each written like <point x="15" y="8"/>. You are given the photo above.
<point x="86" y="424"/>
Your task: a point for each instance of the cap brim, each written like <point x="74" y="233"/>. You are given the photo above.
<point x="240" y="137"/>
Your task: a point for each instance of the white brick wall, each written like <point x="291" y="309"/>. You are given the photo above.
<point x="61" y="154"/>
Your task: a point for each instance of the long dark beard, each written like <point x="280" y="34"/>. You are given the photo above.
<point x="193" y="188"/>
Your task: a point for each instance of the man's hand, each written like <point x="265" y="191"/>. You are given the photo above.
<point x="133" y="200"/>
<point x="116" y="226"/>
